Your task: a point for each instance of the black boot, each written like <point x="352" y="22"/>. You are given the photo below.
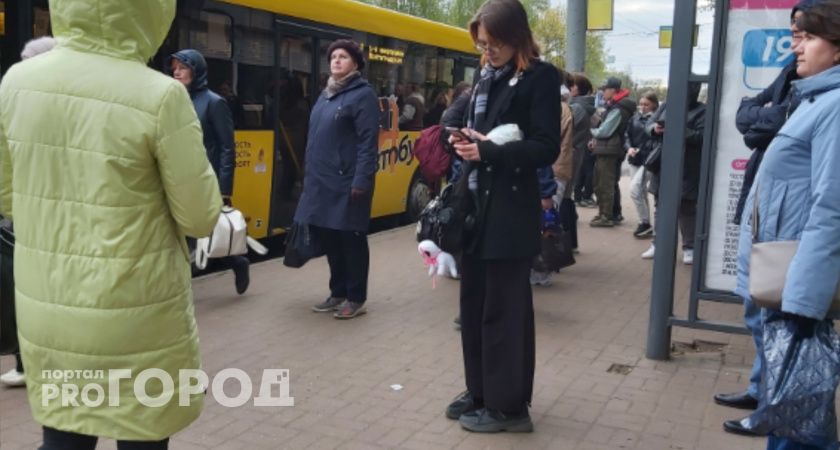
<point x="241" y="270"/>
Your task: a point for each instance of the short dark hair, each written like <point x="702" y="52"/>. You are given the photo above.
<point x="507" y="21"/>
<point x="352" y="48"/>
<point x="822" y="19"/>
<point x="583" y="84"/>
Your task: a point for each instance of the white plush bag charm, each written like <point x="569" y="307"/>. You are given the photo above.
<point x="229" y="238"/>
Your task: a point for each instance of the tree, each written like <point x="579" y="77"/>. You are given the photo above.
<point x="429" y="9"/>
<point x="453" y="12"/>
<point x="550" y="32"/>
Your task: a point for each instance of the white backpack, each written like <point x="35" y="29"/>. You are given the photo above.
<point x="229" y="238"/>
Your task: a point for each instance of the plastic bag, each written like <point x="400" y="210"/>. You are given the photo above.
<point x="801" y="373"/>
<point x="302" y="244"/>
<point x="556" y="250"/>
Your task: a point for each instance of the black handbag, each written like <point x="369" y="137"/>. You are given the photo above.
<point x="8" y="325"/>
<point x="449" y="218"/>
<point x="653" y="163"/>
<point x="302" y="244"/>
<point x="556" y="250"/>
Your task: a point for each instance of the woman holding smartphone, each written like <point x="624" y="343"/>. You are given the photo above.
<point x="497" y="316"/>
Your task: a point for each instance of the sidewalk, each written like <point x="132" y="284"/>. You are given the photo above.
<point x="593" y="390"/>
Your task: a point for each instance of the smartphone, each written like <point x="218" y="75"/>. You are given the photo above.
<point x="460" y="134"/>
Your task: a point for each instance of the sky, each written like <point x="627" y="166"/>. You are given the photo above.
<point x="634" y="40"/>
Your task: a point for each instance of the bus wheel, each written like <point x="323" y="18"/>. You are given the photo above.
<point x="419" y="195"/>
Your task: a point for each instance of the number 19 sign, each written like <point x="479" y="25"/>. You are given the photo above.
<point x="764" y="53"/>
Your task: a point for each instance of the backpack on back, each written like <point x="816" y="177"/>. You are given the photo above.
<point x="432" y="155"/>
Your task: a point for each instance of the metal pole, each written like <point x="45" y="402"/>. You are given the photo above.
<point x="670" y="187"/>
<point x="18" y="31"/>
<point x="575" y="35"/>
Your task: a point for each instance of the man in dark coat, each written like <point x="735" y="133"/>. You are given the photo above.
<point x="190" y="68"/>
<point x="761" y="117"/>
<point x="694" y="130"/>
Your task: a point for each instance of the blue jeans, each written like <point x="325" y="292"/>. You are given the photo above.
<point x="753" y="318"/>
<point x="777" y="443"/>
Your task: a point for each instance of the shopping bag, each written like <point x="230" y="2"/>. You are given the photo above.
<point x="556" y="250"/>
<point x="302" y="244"/>
<point x="229" y="238"/>
<point x="800" y="377"/>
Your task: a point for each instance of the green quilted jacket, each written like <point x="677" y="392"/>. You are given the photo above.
<point x="103" y="170"/>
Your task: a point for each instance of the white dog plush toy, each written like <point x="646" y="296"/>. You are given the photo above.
<point x="438" y="261"/>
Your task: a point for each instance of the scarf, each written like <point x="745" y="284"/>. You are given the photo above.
<point x="481" y="94"/>
<point x="335" y="86"/>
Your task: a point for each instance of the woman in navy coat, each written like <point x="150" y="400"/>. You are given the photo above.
<point x="341" y="164"/>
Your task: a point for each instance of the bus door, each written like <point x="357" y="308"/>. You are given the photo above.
<point x="20" y="21"/>
<point x="300" y="76"/>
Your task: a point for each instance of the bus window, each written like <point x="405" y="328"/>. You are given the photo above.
<point x="210" y="34"/>
<point x="41" y="25"/>
<point x="294" y="89"/>
<point x="255" y="87"/>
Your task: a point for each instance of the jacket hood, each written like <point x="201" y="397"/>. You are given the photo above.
<point x="583" y="100"/>
<point x="196" y="62"/>
<point x="627" y="104"/>
<point x="822" y="82"/>
<point x="126" y="29"/>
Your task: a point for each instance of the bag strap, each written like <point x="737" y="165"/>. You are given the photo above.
<point x="256" y="246"/>
<point x="201" y="251"/>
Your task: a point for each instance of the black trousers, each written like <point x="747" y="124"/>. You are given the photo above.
<point x="63" y="440"/>
<point x="687" y="220"/>
<point x="585" y="178"/>
<point x="497" y="331"/>
<point x="349" y="258"/>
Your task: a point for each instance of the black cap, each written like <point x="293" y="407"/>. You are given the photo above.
<point x="612" y="83"/>
<point x="351" y="48"/>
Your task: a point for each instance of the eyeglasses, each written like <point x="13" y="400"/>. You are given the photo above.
<point x="486" y="48"/>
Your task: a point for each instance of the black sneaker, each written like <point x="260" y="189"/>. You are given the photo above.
<point x="242" y="272"/>
<point x="618" y="219"/>
<point x="465" y="403"/>
<point x="643" y="230"/>
<point x="491" y="421"/>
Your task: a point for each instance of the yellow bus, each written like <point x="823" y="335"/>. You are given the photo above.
<point x="267" y="58"/>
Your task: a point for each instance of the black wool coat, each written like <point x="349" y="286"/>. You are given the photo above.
<point x="509" y="214"/>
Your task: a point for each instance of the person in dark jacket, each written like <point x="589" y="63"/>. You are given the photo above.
<point x="694" y="129"/>
<point x="638" y="145"/>
<point x="339" y="174"/>
<point x="759" y="119"/>
<point x="190" y="68"/>
<point x="608" y="147"/>
<point x="582" y="103"/>
<point x="15" y="377"/>
<point x="497" y="315"/>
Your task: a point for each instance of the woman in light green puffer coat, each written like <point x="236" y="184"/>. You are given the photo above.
<point x="103" y="170"/>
